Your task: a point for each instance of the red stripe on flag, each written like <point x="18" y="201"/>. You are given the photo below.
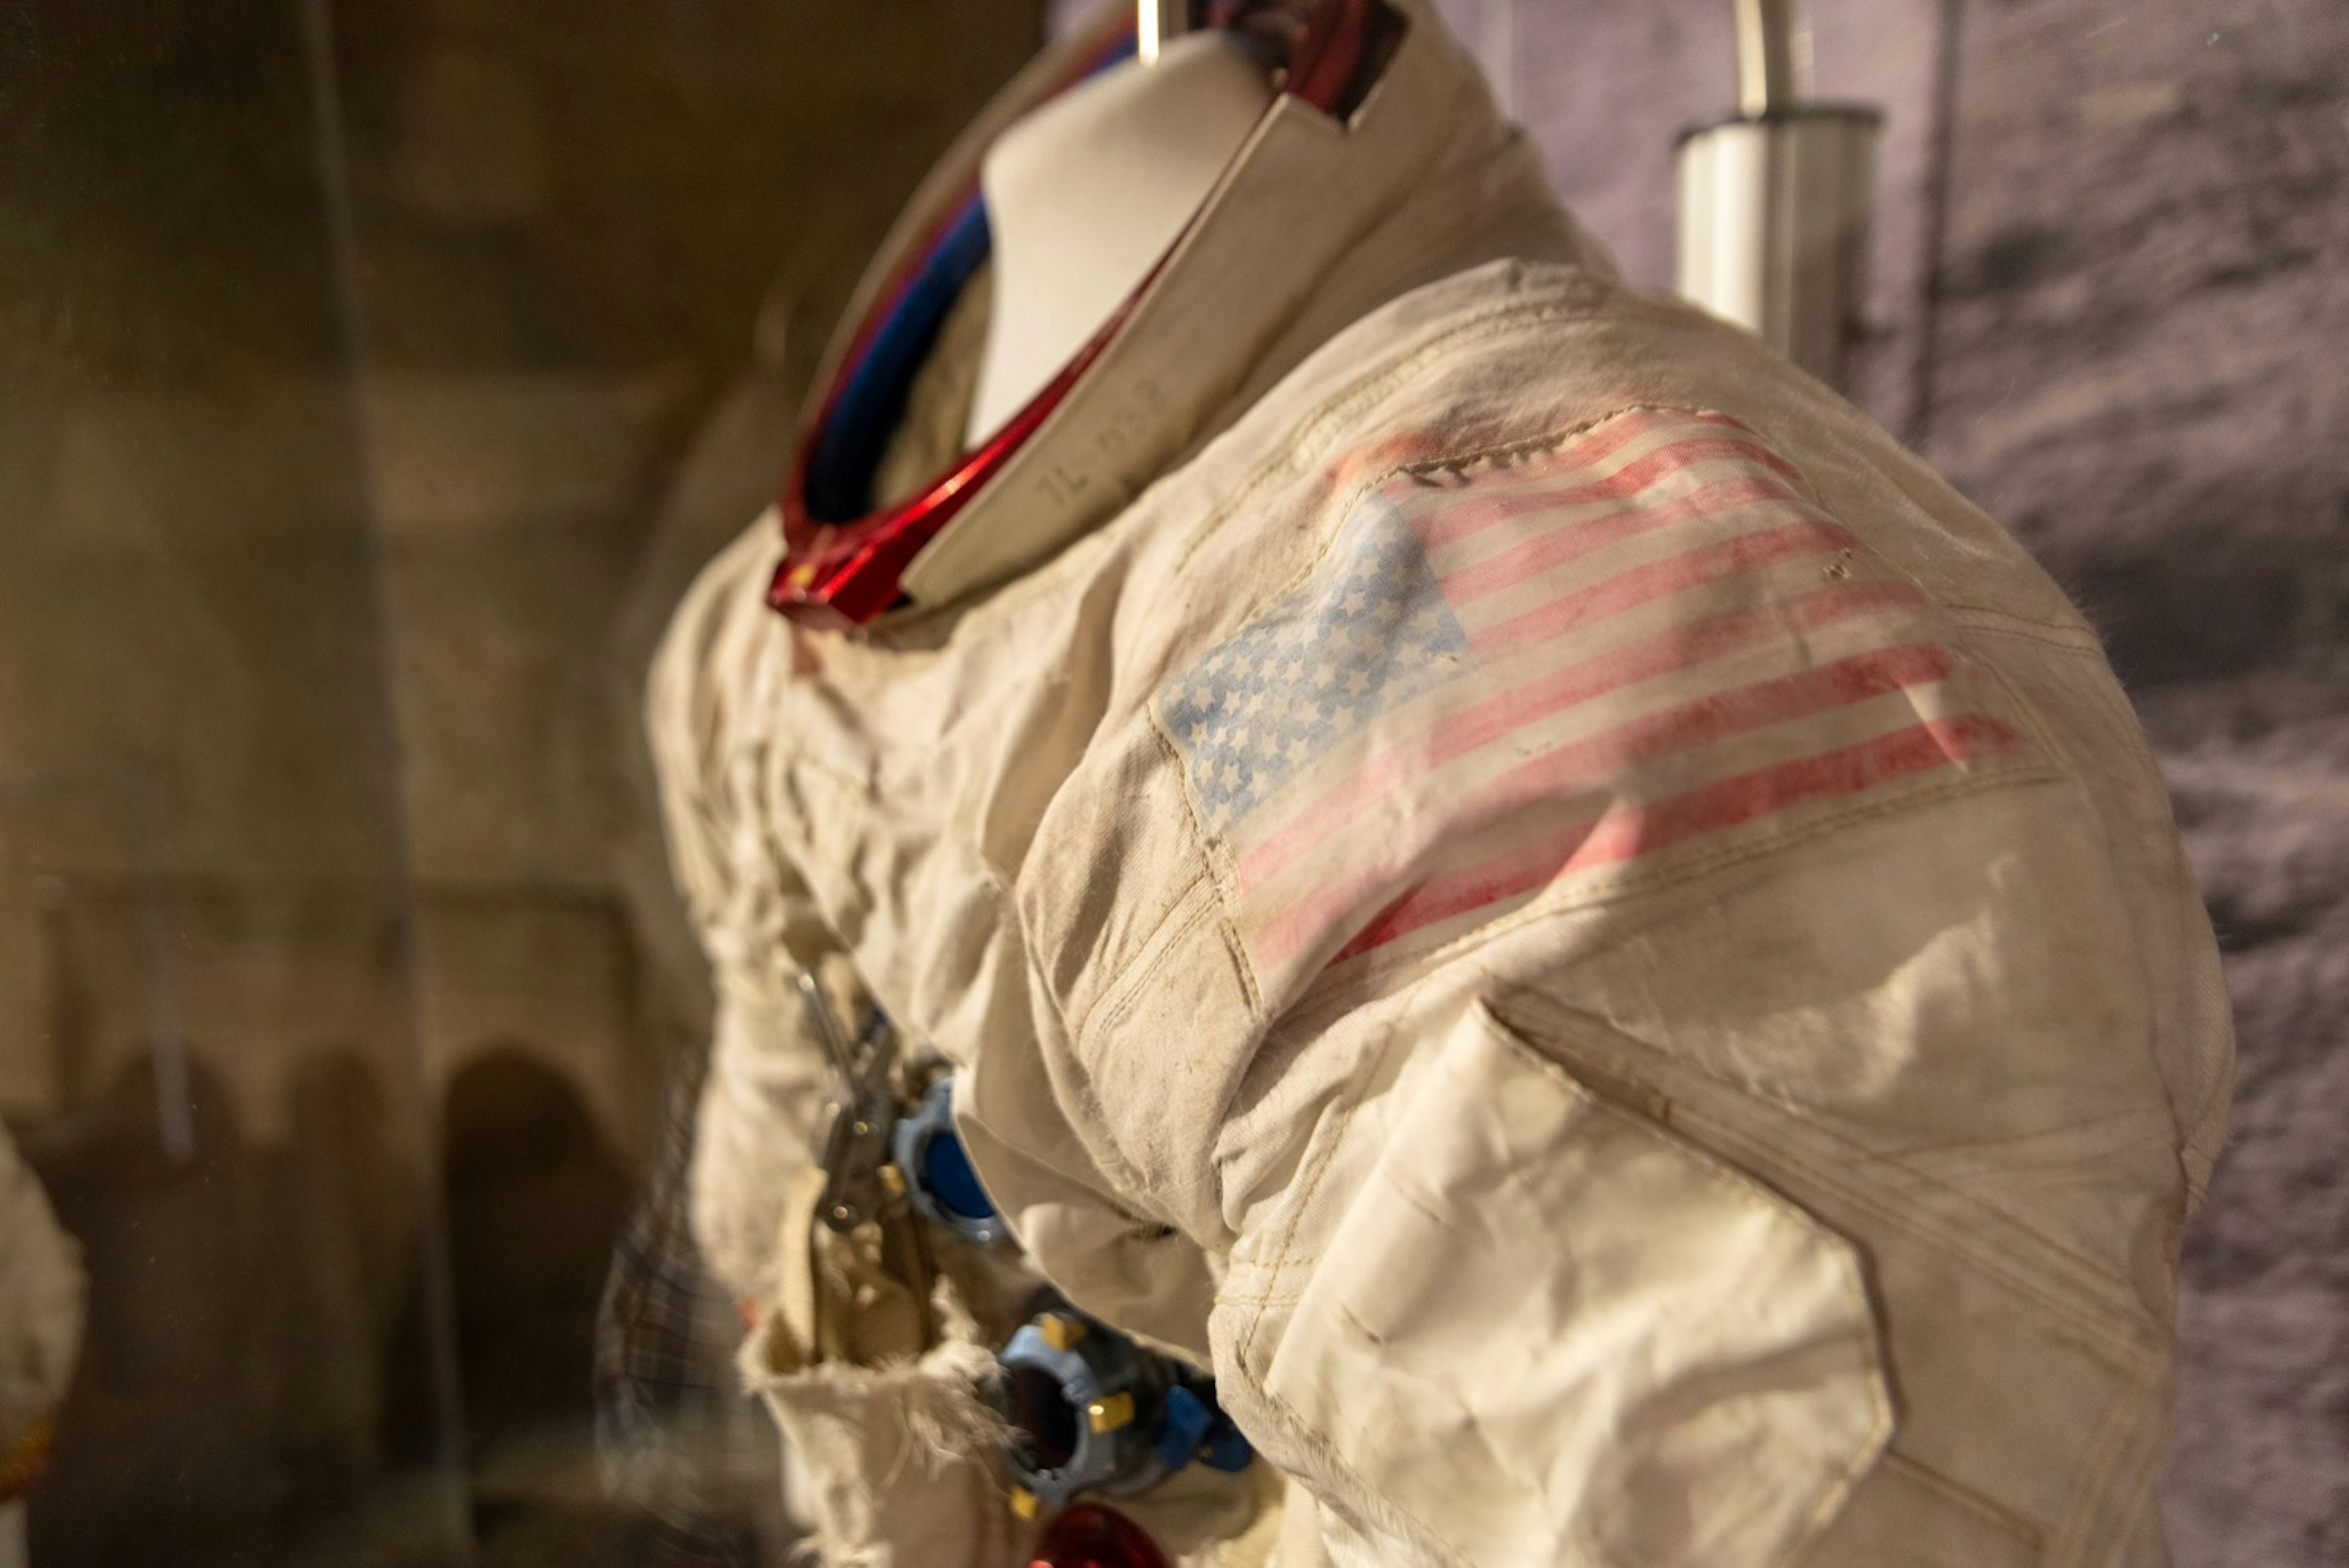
<point x="1455" y="735"/>
<point x="1574" y="540"/>
<point x="1605" y="757"/>
<point x="1471" y="515"/>
<point x="1763" y="547"/>
<point x="1728" y="802"/>
<point x="1627" y="833"/>
<point x="1842" y="684"/>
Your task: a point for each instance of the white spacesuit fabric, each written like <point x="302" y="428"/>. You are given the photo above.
<point x="41" y="1303"/>
<point x="1532" y="891"/>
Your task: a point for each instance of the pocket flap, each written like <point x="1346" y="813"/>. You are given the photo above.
<point x="1549" y="1330"/>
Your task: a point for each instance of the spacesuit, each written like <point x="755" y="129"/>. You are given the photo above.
<point x="1496" y="868"/>
<point x="41" y="1304"/>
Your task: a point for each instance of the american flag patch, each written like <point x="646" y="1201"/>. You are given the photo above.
<point x="1637" y="650"/>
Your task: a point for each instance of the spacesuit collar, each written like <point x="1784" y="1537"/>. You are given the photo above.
<point x="1315" y="222"/>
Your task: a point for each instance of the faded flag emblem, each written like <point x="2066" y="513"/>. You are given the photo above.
<point x="1646" y="644"/>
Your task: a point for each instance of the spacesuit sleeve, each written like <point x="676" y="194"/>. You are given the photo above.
<point x="1626" y="1230"/>
<point x="766" y="1081"/>
<point x="41" y="1305"/>
<point x="1723" y="1076"/>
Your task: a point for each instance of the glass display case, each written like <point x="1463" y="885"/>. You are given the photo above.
<point x="360" y="358"/>
<point x="374" y="376"/>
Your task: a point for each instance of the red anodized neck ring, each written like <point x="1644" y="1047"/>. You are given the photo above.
<point x="844" y="572"/>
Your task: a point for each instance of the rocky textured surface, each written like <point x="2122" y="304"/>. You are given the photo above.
<point x="2143" y="300"/>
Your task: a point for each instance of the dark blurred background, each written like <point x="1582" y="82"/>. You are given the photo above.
<point x="354" y="358"/>
<point x="374" y="373"/>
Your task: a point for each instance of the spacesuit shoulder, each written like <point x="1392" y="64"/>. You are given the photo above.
<point x="700" y="702"/>
<point x="1562" y="670"/>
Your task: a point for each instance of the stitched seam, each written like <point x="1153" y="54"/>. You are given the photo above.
<point x="2047" y="634"/>
<point x="1835" y="1486"/>
<point x="1993" y="1264"/>
<point x="1718" y="1130"/>
<point x="2022" y="1140"/>
<point x="1112" y="1010"/>
<point x="2099" y="1460"/>
<point x="1117" y="1166"/>
<point x="1309" y="1180"/>
<point x="1548" y="441"/>
<point x="1397" y="1519"/>
<point x="1156" y="920"/>
<point x="1214" y="859"/>
<point x="1214" y="869"/>
<point x="2149" y="1440"/>
<point x="1310" y="436"/>
<point x="2120" y="1480"/>
<point x="2024" y="1530"/>
<point x="1730" y="1178"/>
<point x="1329" y="505"/>
<point x="1716" y="1127"/>
<point x="1118" y="1004"/>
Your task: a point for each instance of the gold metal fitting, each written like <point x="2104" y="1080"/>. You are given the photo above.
<point x="1108" y="1415"/>
<point x="1060" y="1329"/>
<point x="1024" y="1502"/>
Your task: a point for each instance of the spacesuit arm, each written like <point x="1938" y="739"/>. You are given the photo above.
<point x="42" y="1291"/>
<point x="764" y="1092"/>
<point x="1619" y="1233"/>
<point x="888" y="1444"/>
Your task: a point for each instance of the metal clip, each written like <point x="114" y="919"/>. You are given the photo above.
<point x="857" y="1144"/>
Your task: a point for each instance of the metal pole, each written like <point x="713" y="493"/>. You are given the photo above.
<point x="1774" y="203"/>
<point x="1765" y="56"/>
<point x="1157" y="24"/>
